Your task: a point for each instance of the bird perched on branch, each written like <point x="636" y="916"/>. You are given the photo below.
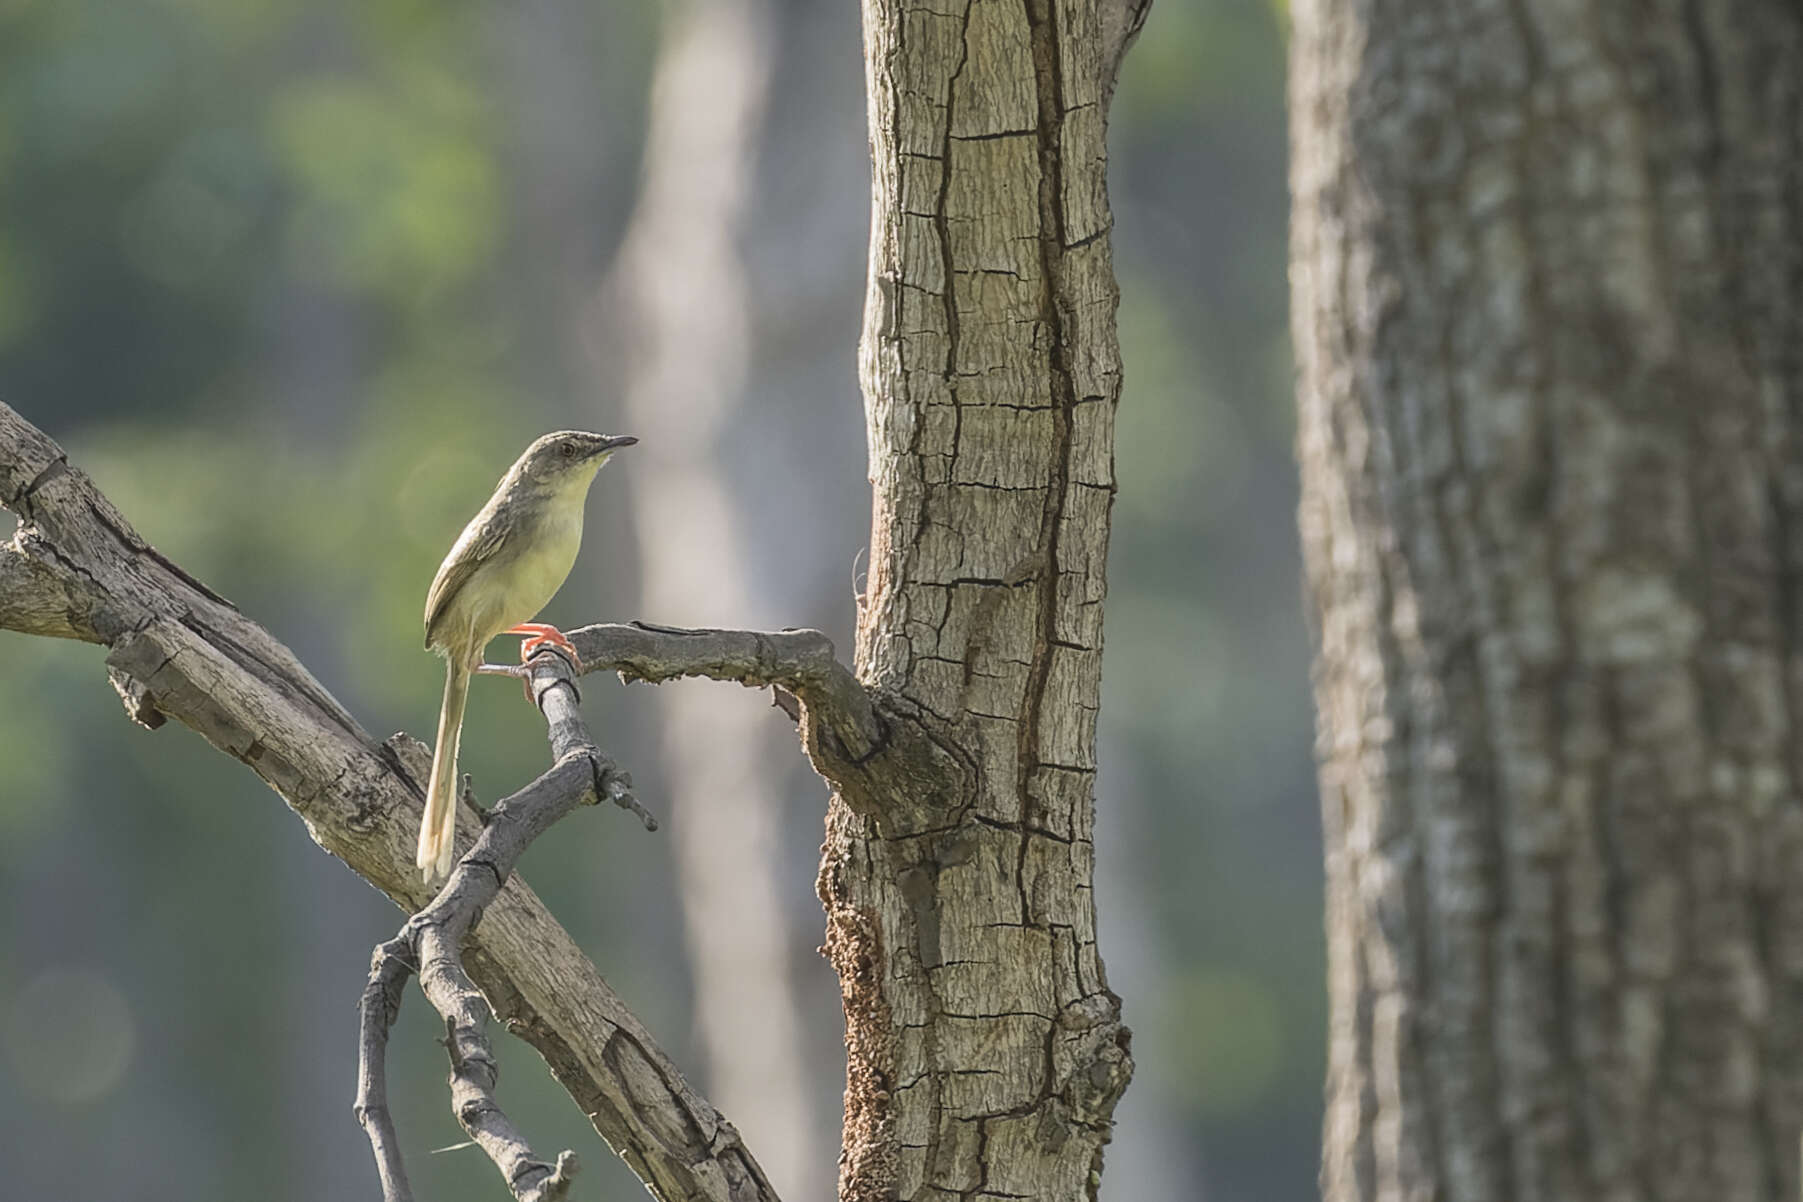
<point x="506" y="565"/>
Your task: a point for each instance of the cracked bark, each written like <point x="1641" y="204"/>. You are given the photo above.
<point x="985" y="1050"/>
<point x="1547" y="298"/>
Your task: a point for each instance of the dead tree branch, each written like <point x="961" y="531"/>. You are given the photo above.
<point x="430" y="944"/>
<point x="896" y="764"/>
<point x="801" y="662"/>
<point x="77" y="569"/>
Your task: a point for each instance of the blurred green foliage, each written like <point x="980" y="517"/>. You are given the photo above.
<point x="252" y="273"/>
<point x="1206" y="723"/>
<point x="293" y="282"/>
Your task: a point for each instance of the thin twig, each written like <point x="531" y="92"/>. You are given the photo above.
<point x="77" y="569"/>
<point x="388" y="972"/>
<point x="430" y="943"/>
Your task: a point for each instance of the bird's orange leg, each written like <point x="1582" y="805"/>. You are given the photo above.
<point x="543" y="634"/>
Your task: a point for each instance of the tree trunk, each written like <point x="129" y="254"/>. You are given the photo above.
<point x="1547" y="295"/>
<point x="682" y="287"/>
<point x="985" y="1049"/>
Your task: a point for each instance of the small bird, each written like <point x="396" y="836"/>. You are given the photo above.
<point x="505" y="567"/>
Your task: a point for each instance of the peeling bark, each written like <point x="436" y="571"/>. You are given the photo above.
<point x="1547" y="294"/>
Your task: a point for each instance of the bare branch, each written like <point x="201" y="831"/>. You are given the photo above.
<point x="179" y="649"/>
<point x="884" y="758"/>
<point x="800" y="661"/>
<point x="388" y="972"/>
<point x="430" y="943"/>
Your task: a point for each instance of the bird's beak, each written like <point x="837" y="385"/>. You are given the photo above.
<point x="618" y="441"/>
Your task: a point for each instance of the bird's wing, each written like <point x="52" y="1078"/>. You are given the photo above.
<point x="477" y="544"/>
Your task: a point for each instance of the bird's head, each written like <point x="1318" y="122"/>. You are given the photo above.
<point x="568" y="457"/>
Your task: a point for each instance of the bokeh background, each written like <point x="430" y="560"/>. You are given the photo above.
<point x="295" y="280"/>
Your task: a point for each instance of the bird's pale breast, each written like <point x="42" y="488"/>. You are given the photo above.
<point x="514" y="592"/>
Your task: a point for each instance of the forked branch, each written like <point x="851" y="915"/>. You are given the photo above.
<point x="430" y="944"/>
<point x="76" y="569"/>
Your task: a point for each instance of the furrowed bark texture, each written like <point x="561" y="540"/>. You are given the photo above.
<point x="1547" y="296"/>
<point x="986" y="1051"/>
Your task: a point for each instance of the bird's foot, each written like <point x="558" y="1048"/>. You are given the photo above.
<point x="520" y="672"/>
<point x="542" y="634"/>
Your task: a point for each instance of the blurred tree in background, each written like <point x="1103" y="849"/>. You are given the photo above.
<point x="369" y="241"/>
<point x="1548" y="274"/>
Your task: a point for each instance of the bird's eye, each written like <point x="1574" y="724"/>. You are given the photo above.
<point x="569" y="450"/>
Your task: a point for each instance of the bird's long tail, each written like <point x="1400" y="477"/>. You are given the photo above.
<point x="439" y="827"/>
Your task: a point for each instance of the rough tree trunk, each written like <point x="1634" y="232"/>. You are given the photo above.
<point x="985" y="1049"/>
<point x="682" y="287"/>
<point x="1548" y="300"/>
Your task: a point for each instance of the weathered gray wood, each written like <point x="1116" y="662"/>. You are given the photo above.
<point x="1548" y="304"/>
<point x="178" y="649"/>
<point x="800" y="661"/>
<point x="389" y="970"/>
<point x="986" y="1050"/>
<point x="430" y="945"/>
